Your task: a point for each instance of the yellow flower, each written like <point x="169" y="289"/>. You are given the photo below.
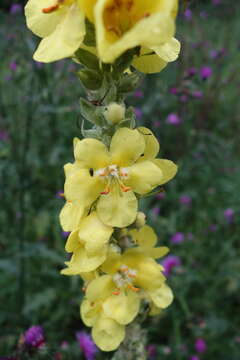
<point x="135" y="270"/>
<point x="107" y="312"/>
<point x="61" y="25"/>
<point x="125" y="24"/>
<point x="89" y="245"/>
<point x="112" y="177"/>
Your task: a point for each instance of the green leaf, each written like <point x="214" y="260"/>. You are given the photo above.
<point x="90" y="37"/>
<point x="88" y="59"/>
<point x="91" y="79"/>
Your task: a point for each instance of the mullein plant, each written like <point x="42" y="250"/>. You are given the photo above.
<point x="115" y="163"/>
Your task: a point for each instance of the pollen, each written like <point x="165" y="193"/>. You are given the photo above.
<point x="50" y="9"/>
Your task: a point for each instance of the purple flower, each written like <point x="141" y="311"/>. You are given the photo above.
<point x="191" y="72"/>
<point x="194" y="358"/>
<point x="184" y="98"/>
<point x="138" y="113"/>
<point x="60" y="194"/>
<point x="216" y="2"/>
<point x="138" y="94"/>
<point x="229" y="214"/>
<point x="206" y="72"/>
<point x="15" y="9"/>
<point x="161" y="195"/>
<point x="174" y="90"/>
<point x="185" y="200"/>
<point x="200" y="345"/>
<point x="177" y="238"/>
<point x="4" y="135"/>
<point x="156" y="210"/>
<point x="197" y="94"/>
<point x="151" y="351"/>
<point x="65" y="234"/>
<point x="169" y="263"/>
<point x="157" y="123"/>
<point x="34" y="336"/>
<point x="173" y="119"/>
<point x="88" y="347"/>
<point x="213" y="227"/>
<point x="13" y="66"/>
<point x="188" y="14"/>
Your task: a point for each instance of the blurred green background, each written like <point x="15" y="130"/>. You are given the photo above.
<point x="193" y="107"/>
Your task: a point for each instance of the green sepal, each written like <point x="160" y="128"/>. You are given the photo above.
<point x="123" y="62"/>
<point x="87" y="58"/>
<point x="92" y="113"/>
<point x="129" y="82"/>
<point x="90" y="37"/>
<point x="91" y="79"/>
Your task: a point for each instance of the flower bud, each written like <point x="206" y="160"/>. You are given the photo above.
<point x="114" y="113"/>
<point x="140" y="220"/>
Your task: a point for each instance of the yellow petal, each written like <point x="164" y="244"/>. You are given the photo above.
<point x="149" y="64"/>
<point x="144" y="177"/>
<point x="94" y="234"/>
<point x="91" y="153"/>
<point x="154" y="310"/>
<point x="65" y="39"/>
<point x="157" y="252"/>
<point x="162" y="297"/>
<point x="89" y="312"/>
<point x="82" y="262"/>
<point x="168" y="51"/>
<point x="122" y="308"/>
<point x="100" y="288"/>
<point x="72" y="243"/>
<point x="152" y="30"/>
<point x="117" y="209"/>
<point x="144" y="237"/>
<point x="112" y="263"/>
<point x="107" y="333"/>
<point x="87" y="6"/>
<point x="168" y="168"/>
<point x="38" y="22"/>
<point x="83" y="187"/>
<point x="71" y="215"/>
<point x="151" y="144"/>
<point x="126" y="147"/>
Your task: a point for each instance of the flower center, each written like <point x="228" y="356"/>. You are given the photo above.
<point x="57" y="5"/>
<point x="113" y="175"/>
<point x="124" y="279"/>
<point x="121" y="15"/>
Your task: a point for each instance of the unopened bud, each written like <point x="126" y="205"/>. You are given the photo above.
<point x="114" y="113"/>
<point x="140" y="220"/>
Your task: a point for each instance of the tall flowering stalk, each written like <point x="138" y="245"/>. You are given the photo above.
<point x="115" y="163"/>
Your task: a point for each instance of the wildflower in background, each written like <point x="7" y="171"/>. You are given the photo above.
<point x="216" y="2"/>
<point x="206" y="72"/>
<point x="138" y="94"/>
<point x="185" y="200"/>
<point x="213" y="227"/>
<point x="188" y="14"/>
<point x="151" y="351"/>
<point x="167" y="350"/>
<point x="157" y="123"/>
<point x="112" y="177"/>
<point x="191" y="72"/>
<point x="138" y="112"/>
<point x="156" y="210"/>
<point x="60" y="23"/>
<point x="15" y="9"/>
<point x="173" y="119"/>
<point x="174" y="91"/>
<point x="13" y="66"/>
<point x="229" y="215"/>
<point x="169" y="263"/>
<point x="60" y="194"/>
<point x="4" y="136"/>
<point x="87" y="345"/>
<point x="161" y="195"/>
<point x="65" y="234"/>
<point x="200" y="345"/>
<point x="197" y="94"/>
<point x="34" y="336"/>
<point x="194" y="357"/>
<point x="177" y="238"/>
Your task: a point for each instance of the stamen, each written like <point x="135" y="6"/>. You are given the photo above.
<point x="124" y="188"/>
<point x="50" y="9"/>
<point x="69" y="201"/>
<point x="106" y="190"/>
<point x="133" y="288"/>
<point x="117" y="292"/>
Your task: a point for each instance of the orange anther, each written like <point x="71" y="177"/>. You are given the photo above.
<point x="50" y="9"/>
<point x="125" y="188"/>
<point x="69" y="201"/>
<point x="117" y="292"/>
<point x="131" y="275"/>
<point x="133" y="288"/>
<point x="106" y="191"/>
